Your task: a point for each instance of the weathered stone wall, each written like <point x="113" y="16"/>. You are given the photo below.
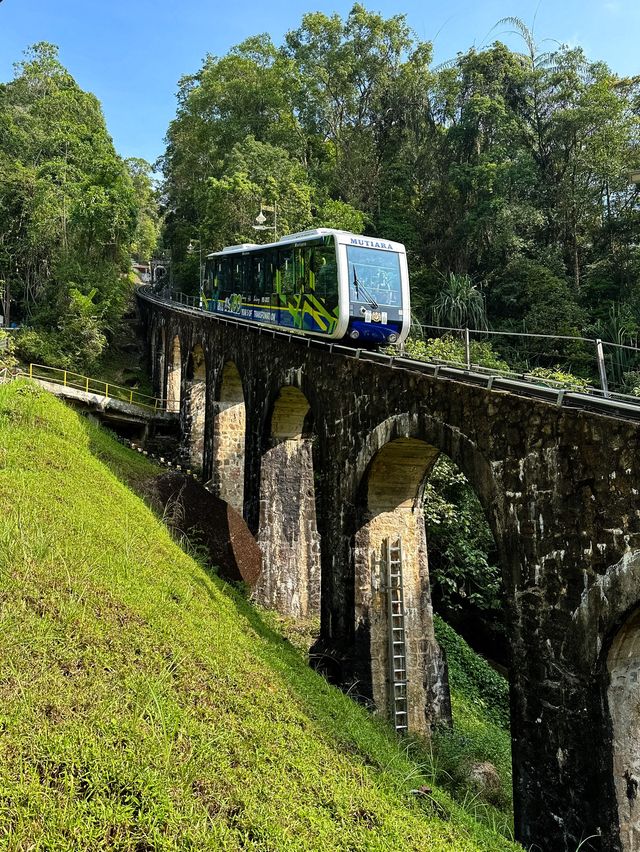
<point x="560" y="491"/>
<point x="391" y="490"/>
<point x="623" y="665"/>
<point x="288" y="534"/>
<point x="159" y="352"/>
<point x="371" y="608"/>
<point x="229" y="435"/>
<point x="195" y="407"/>
<point x="174" y="371"/>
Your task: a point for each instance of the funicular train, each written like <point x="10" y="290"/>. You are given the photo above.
<point x="324" y="283"/>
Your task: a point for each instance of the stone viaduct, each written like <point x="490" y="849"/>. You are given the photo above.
<point x="326" y="456"/>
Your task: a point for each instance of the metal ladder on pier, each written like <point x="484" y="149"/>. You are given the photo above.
<point x="397" y="639"/>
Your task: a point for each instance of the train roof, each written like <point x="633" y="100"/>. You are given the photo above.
<point x="301" y="235"/>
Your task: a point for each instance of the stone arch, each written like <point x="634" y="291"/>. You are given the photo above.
<point x="174" y="375"/>
<point x="229" y="435"/>
<point x="388" y="479"/>
<point x="452" y="443"/>
<point x="195" y="404"/>
<point x="623" y="700"/>
<point x="390" y="514"/>
<point x="288" y="533"/>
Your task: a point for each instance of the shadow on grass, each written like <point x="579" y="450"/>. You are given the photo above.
<point x="367" y="739"/>
<point x="370" y="739"/>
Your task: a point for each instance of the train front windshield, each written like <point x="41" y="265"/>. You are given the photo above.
<point x="374" y="277"/>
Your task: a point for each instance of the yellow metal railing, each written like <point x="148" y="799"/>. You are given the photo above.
<point x="68" y="379"/>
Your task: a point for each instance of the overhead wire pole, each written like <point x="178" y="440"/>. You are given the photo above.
<point x="602" y="367"/>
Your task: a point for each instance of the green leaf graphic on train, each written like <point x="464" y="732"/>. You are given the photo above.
<point x="233" y="303"/>
<point x="318" y="282"/>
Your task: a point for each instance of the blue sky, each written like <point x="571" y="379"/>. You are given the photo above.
<point x="131" y="54"/>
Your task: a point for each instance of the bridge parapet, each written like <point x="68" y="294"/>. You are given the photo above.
<point x="104" y="398"/>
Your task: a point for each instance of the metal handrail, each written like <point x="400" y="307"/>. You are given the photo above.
<point x="599" y="344"/>
<point x="613" y="403"/>
<point x="67" y="378"/>
<point x="508" y="333"/>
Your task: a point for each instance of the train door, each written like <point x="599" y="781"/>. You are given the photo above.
<point x="282" y="302"/>
<point x="321" y="289"/>
<point x="275" y="282"/>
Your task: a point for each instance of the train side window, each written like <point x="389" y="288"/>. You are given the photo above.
<point x="236" y="273"/>
<point x="226" y="277"/>
<point x="300" y="282"/>
<point x="325" y="274"/>
<point x="270" y="259"/>
<point x="258" y="278"/>
<point x="216" y="284"/>
<point x="247" y="276"/>
<point x="285" y="272"/>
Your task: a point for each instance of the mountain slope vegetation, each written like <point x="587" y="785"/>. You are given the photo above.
<point x="72" y="212"/>
<point x="144" y="705"/>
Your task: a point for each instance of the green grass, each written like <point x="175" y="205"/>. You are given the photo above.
<point x="146" y="706"/>
<point x="480" y="705"/>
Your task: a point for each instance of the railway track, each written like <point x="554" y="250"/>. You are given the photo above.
<point x="592" y="400"/>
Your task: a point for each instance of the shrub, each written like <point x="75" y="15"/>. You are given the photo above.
<point x="557" y="376"/>
<point x="450" y="350"/>
<point x="7" y="351"/>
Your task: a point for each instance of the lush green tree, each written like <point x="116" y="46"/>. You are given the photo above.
<point x="334" y="213"/>
<point x="356" y="79"/>
<point x="254" y="172"/>
<point x="590" y="131"/>
<point x="530" y="295"/>
<point x="147" y="230"/>
<point x="476" y="175"/>
<point x="247" y="93"/>
<point x="338" y="99"/>
<point x="68" y="210"/>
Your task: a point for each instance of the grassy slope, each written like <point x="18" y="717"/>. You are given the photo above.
<point x="480" y="704"/>
<point x="143" y="706"/>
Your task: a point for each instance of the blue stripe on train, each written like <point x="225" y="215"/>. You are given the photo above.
<point x="265" y="313"/>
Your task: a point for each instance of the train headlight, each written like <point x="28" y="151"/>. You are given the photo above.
<point x="355" y="334"/>
<point x="392" y="338"/>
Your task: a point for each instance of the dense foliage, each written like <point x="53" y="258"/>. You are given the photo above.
<point x="463" y="563"/>
<point x="505" y="173"/>
<point x="70" y="213"/>
<point x="480" y="732"/>
<point x="7" y="352"/>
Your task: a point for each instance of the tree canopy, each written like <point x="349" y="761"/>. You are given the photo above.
<point x="70" y="211"/>
<point x="506" y="169"/>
